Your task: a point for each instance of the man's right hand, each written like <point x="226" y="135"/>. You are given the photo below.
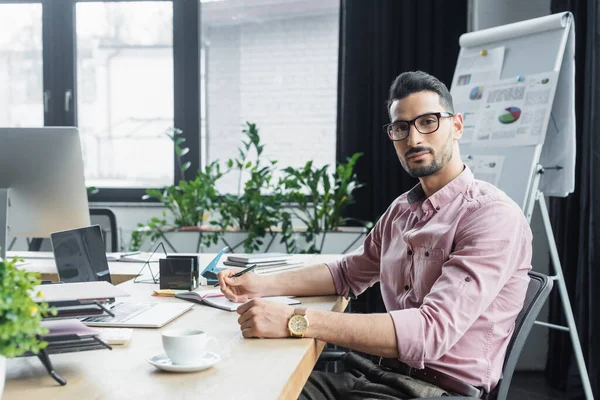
<point x="243" y="288"/>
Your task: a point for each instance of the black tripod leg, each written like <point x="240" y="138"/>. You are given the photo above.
<point x="45" y="359"/>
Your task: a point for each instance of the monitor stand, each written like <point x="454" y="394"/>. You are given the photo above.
<point x="3" y="222"/>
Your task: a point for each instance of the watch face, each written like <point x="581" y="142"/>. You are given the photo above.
<point x="298" y="324"/>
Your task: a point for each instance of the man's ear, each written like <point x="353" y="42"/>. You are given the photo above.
<point x="458" y="125"/>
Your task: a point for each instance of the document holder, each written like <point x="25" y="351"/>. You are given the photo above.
<point x="66" y="336"/>
<point x="155" y="277"/>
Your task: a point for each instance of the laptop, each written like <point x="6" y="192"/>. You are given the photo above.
<point x="80" y="256"/>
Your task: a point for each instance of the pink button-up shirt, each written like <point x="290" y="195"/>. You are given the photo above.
<point x="453" y="273"/>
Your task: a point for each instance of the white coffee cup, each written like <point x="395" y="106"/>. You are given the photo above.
<point x="186" y="346"/>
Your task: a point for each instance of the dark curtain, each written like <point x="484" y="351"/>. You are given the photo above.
<point x="575" y="218"/>
<point x="379" y="39"/>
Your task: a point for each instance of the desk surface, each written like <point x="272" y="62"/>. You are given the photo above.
<point x="249" y="369"/>
<point x="43" y="262"/>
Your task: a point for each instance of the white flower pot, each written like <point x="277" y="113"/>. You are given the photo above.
<point x="2" y="373"/>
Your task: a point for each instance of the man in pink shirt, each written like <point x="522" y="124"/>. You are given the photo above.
<point x="451" y="255"/>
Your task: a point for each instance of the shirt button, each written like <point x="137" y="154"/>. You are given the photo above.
<point x="468" y="279"/>
<point x="406" y="287"/>
<point x="410" y="252"/>
<point x="438" y="208"/>
<point x="426" y="254"/>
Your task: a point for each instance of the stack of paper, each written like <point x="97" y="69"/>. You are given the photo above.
<point x="71" y="335"/>
<point x="116" y="336"/>
<point x="137" y="256"/>
<point x="78" y="299"/>
<point x="265" y="262"/>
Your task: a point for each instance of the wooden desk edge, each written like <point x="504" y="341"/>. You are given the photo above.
<point x="294" y="385"/>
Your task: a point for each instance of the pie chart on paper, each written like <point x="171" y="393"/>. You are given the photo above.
<point x="512" y="115"/>
<point x="476" y="93"/>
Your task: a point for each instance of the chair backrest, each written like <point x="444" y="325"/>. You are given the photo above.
<point x="538" y="291"/>
<point x="108" y="223"/>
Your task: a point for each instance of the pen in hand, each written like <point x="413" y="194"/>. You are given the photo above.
<point x="242" y="272"/>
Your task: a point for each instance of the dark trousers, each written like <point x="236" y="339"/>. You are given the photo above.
<point x="364" y="380"/>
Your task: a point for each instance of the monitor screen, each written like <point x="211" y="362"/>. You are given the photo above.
<point x="80" y="255"/>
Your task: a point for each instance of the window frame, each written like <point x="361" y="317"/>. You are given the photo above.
<point x="59" y="63"/>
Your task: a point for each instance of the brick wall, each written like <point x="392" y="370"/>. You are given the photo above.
<point x="281" y="75"/>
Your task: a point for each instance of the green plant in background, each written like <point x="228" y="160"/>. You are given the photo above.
<point x="20" y="315"/>
<point x="319" y="201"/>
<point x="255" y="208"/>
<point x="189" y="203"/>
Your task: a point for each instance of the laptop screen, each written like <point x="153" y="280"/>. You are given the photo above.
<point x="80" y="255"/>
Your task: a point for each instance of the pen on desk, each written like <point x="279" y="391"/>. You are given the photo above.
<point x="242" y="272"/>
<point x="130" y="254"/>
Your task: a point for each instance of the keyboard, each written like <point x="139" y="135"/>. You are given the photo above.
<point x="122" y="311"/>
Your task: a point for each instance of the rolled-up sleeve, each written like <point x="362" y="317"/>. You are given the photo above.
<point x="491" y="243"/>
<point x="360" y="269"/>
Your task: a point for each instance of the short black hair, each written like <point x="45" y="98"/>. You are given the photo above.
<point x="411" y="82"/>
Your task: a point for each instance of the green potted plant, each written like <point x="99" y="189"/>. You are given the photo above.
<point x="20" y="315"/>
<point x="189" y="203"/>
<point x="318" y="200"/>
<point x="256" y="207"/>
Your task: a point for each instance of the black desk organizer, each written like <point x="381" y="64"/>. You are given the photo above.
<point x="65" y="344"/>
<point x="70" y="343"/>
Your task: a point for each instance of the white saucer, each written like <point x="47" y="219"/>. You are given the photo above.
<point x="162" y="361"/>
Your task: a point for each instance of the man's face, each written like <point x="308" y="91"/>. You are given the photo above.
<point x="425" y="154"/>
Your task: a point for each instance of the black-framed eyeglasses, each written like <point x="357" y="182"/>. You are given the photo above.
<point x="425" y="124"/>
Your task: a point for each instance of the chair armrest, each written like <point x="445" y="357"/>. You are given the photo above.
<point x="330" y="355"/>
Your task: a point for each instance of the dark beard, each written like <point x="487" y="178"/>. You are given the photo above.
<point x="425" y="170"/>
<point x="435" y="166"/>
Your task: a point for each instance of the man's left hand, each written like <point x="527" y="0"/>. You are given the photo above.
<point x="264" y="319"/>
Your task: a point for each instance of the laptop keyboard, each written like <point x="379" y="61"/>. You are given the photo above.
<point x="122" y="311"/>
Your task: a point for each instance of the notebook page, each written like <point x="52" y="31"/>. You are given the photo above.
<point x="225" y="304"/>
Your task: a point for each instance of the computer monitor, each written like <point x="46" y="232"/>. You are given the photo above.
<point x="42" y="186"/>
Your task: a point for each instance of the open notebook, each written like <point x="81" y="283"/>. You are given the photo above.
<point x="215" y="298"/>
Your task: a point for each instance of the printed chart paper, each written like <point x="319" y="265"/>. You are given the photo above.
<point x="472" y="71"/>
<point x="509" y="112"/>
<point x="485" y="168"/>
<point x="473" y="67"/>
<point x="516" y="113"/>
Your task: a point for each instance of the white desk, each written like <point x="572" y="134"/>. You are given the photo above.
<point x="249" y="369"/>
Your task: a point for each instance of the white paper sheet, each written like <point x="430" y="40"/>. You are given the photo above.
<point x="468" y="101"/>
<point x="515" y="113"/>
<point x="485" y="168"/>
<point x="473" y="67"/>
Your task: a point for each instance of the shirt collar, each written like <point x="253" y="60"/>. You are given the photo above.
<point x="443" y="196"/>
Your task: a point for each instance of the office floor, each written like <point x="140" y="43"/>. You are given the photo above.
<point x="532" y="386"/>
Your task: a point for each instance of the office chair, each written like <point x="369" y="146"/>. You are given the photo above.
<point x="538" y="291"/>
<point x="98" y="216"/>
<point x="107" y="220"/>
